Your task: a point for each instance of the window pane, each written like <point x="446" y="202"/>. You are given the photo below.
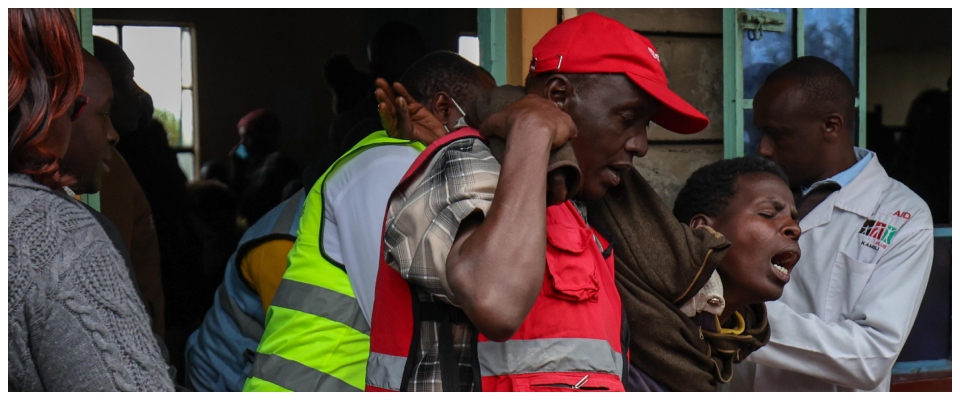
<point x="186" y="164"/>
<point x="751" y="135"/>
<point x="108" y="32"/>
<point x="760" y="57"/>
<point x="828" y="34"/>
<point x="469" y="48"/>
<point x="186" y="126"/>
<point x="155" y="53"/>
<point x="855" y="125"/>
<point x="186" y="59"/>
<point x="171" y="124"/>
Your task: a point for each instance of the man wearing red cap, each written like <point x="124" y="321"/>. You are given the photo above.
<point x="466" y="299"/>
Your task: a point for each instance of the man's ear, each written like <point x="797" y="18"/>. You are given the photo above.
<point x="832" y="126"/>
<point x="700" y="219"/>
<point x="440" y="106"/>
<point x="559" y="90"/>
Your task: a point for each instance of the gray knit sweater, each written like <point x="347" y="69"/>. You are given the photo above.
<point x="75" y="322"/>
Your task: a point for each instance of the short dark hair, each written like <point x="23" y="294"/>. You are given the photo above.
<point x="824" y="85"/>
<point x="442" y="71"/>
<point x="709" y="189"/>
<point x="110" y="54"/>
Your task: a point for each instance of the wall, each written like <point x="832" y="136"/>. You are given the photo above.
<point x="902" y="64"/>
<point x="689" y="42"/>
<point x="274" y="58"/>
<point x="525" y="27"/>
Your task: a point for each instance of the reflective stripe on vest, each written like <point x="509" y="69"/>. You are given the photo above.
<point x="389" y="371"/>
<point x="548" y="355"/>
<point x="298" y="377"/>
<point x="316" y="336"/>
<point x="321" y="302"/>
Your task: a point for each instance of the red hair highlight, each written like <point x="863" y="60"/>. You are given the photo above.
<point x="45" y="74"/>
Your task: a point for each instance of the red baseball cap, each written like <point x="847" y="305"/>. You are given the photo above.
<point x="591" y="43"/>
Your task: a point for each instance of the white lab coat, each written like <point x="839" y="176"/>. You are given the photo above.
<point x="852" y="299"/>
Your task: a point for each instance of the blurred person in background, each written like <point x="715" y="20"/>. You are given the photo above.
<point x="154" y="165"/>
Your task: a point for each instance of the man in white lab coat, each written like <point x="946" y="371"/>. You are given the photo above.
<point x="867" y="243"/>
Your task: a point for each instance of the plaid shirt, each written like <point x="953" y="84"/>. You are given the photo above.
<point x="422" y="221"/>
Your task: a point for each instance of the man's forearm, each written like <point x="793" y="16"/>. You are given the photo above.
<point x="495" y="268"/>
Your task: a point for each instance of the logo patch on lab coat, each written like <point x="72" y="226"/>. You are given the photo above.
<point x="877" y="234"/>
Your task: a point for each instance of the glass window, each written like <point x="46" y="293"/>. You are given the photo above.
<point x="762" y="56"/>
<point x="469" y="48"/>
<point x="186" y="58"/>
<point x="163" y="61"/>
<point x="751" y="135"/>
<point x="108" y="32"/>
<point x="831" y="34"/>
<point x="828" y="34"/>
<point x="186" y="114"/>
<point x="155" y="53"/>
<point x="187" y="164"/>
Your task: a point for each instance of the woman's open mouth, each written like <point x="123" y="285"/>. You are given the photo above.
<point x="783" y="263"/>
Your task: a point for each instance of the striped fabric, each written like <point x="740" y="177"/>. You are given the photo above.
<point x="422" y="222"/>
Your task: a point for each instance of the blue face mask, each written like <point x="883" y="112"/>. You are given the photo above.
<point x="242" y="152"/>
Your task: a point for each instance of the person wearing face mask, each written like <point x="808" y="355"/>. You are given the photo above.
<point x="75" y="320"/>
<point x="275" y="312"/>
<point x="259" y="170"/>
<point x="487" y="283"/>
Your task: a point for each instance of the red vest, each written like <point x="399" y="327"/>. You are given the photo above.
<point x="571" y="339"/>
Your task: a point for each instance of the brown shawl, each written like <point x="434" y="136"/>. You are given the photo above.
<point x="660" y="264"/>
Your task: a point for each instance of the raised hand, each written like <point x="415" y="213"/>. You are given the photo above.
<point x="403" y="117"/>
<point x="531" y="113"/>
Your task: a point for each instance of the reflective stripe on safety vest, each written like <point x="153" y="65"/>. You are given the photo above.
<point x="548" y="355"/>
<point x="322" y="302"/>
<point x="388" y="371"/>
<point x="316" y="336"/>
<point x="298" y="377"/>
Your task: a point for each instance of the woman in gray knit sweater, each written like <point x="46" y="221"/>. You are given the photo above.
<point x="74" y="319"/>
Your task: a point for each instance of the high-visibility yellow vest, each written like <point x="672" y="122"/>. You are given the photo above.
<point x="316" y="337"/>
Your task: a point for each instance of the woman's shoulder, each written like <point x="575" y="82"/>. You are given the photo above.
<point x="44" y="226"/>
<point x="38" y="207"/>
